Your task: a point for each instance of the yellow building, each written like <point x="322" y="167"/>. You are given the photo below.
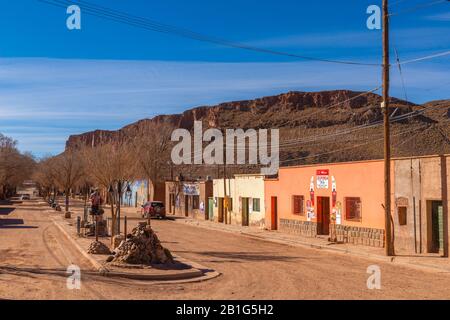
<point x="246" y="200"/>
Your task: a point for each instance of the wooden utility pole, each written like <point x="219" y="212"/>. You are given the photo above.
<point x="387" y="138"/>
<point x="225" y="198"/>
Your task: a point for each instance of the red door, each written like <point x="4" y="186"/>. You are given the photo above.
<point x="274" y="214"/>
<point x="323" y="215"/>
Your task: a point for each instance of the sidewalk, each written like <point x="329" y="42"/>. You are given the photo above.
<point x="429" y="263"/>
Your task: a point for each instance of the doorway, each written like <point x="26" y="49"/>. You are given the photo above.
<point x="220" y="207"/>
<point x="323" y="215"/>
<point x="274" y="213"/>
<point x="210" y="209"/>
<point x="245" y="212"/>
<point x="435" y="213"/>
<point x="186" y="206"/>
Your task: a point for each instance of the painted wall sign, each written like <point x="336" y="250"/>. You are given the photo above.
<point x="402" y="202"/>
<point x="338" y="212"/>
<point x="333" y="192"/>
<point x="309" y="210"/>
<point x="191" y="189"/>
<point x="311" y="190"/>
<point x="322" y="172"/>
<point x="322" y="179"/>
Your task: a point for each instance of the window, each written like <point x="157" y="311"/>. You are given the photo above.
<point x="298" y="205"/>
<point x="195" y="202"/>
<point x="402" y="214"/>
<point x="353" y="208"/>
<point x="256" y="204"/>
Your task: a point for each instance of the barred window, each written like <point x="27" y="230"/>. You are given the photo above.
<point x="353" y="208"/>
<point x="256" y="204"/>
<point x="298" y="205"/>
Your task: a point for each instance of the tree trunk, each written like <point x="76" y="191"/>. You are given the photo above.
<point x="67" y="200"/>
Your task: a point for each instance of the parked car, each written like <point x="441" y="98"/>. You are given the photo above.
<point x="25" y="197"/>
<point x="154" y="209"/>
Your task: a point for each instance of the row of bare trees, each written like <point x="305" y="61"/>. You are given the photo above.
<point x="108" y="166"/>
<point x="15" y="167"/>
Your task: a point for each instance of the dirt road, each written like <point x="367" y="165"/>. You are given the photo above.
<point x="251" y="268"/>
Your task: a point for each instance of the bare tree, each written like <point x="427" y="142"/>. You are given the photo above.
<point x="15" y="167"/>
<point x="151" y="148"/>
<point x="68" y="171"/>
<point x="108" y="166"/>
<point x="44" y="175"/>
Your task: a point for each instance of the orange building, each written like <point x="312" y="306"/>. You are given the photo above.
<point x="342" y="201"/>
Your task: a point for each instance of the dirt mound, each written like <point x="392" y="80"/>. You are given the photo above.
<point x="142" y="246"/>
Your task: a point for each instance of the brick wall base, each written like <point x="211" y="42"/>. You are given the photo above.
<point x="345" y="234"/>
<point x="303" y="228"/>
<point x="357" y="235"/>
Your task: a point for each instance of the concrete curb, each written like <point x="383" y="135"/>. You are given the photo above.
<point x="200" y="274"/>
<point x="94" y="262"/>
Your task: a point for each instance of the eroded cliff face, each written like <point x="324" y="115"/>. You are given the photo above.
<point x="289" y="110"/>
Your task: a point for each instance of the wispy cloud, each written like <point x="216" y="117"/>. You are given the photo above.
<point x="445" y="16"/>
<point x="405" y="38"/>
<point x="42" y="101"/>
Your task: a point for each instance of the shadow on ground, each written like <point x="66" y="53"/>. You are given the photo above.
<point x="243" y="256"/>
<point x="6" y="211"/>
<point x="14" y="224"/>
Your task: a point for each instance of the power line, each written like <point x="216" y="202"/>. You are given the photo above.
<point x="420" y="6"/>
<point x="436" y="55"/>
<point x="145" y="23"/>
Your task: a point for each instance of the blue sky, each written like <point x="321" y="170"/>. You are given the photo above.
<point x="55" y="82"/>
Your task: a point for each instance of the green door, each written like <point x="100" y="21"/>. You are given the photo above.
<point x="437" y="212"/>
<point x="211" y="208"/>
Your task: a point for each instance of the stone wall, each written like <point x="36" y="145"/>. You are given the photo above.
<point x="303" y="228"/>
<point x="363" y="236"/>
<point x="346" y="234"/>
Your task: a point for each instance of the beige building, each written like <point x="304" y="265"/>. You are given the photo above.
<point x="420" y="205"/>
<point x="246" y="200"/>
<point x="189" y="199"/>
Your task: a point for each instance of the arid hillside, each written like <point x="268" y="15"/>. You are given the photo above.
<point x="327" y="126"/>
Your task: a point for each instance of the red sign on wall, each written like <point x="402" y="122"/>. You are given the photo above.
<point x="323" y="172"/>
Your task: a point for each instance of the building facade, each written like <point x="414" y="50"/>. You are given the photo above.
<point x="141" y="193"/>
<point x="420" y="205"/>
<point x="345" y="202"/>
<point x="189" y="198"/>
<point x="341" y="201"/>
<point x="246" y="205"/>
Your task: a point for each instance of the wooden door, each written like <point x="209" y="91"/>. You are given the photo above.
<point x="274" y="214"/>
<point x="323" y="215"/>
<point x="245" y="211"/>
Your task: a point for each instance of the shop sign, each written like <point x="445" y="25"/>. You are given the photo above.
<point x="322" y="179"/>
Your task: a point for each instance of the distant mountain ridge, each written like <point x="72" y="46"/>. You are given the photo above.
<point x="312" y="114"/>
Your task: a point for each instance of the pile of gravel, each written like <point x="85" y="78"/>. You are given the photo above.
<point x="143" y="247"/>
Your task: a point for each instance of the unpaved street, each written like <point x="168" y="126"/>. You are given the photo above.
<point x="31" y="248"/>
